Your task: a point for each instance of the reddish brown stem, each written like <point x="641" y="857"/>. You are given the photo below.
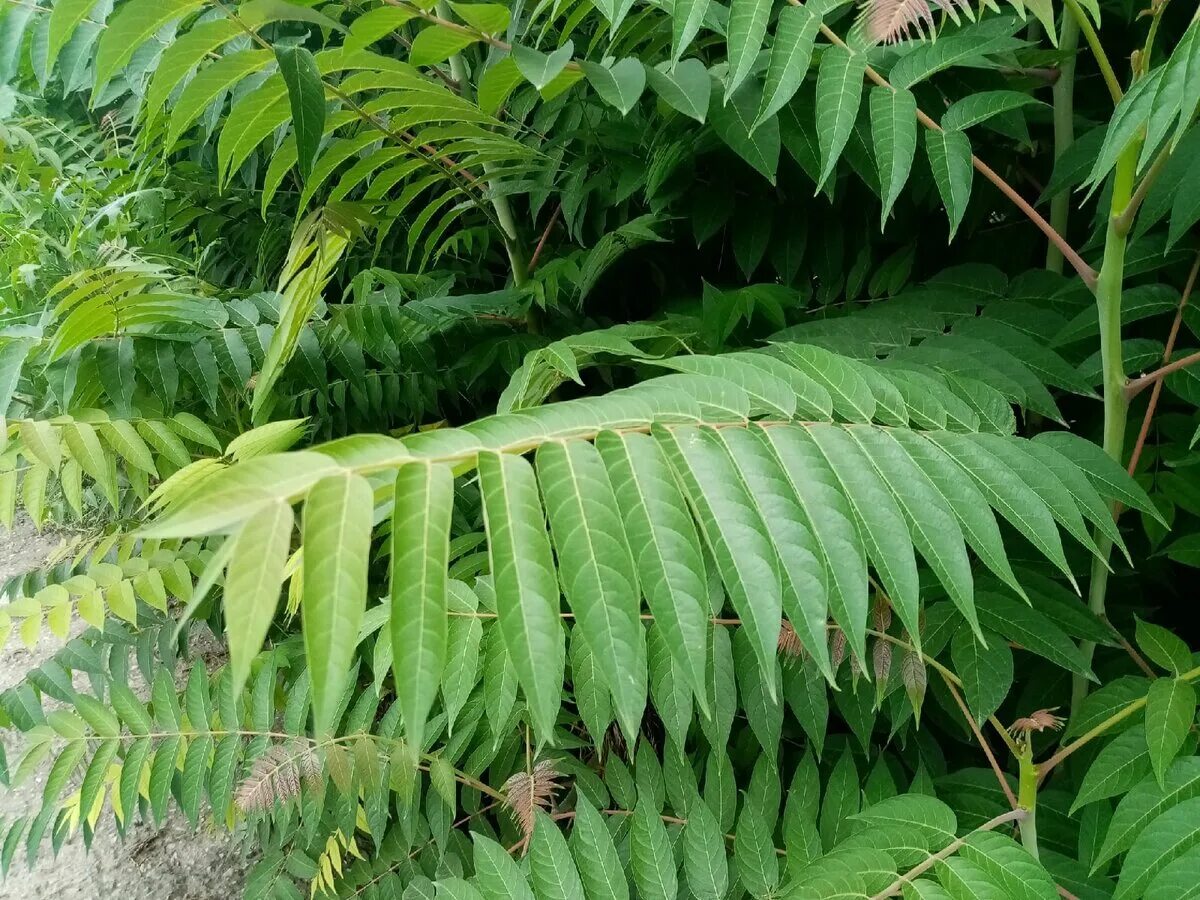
<point x="1135" y="386"/>
<point x="987" y="750"/>
<point x="537" y="251"/>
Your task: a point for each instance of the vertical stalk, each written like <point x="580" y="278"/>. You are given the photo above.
<point x="1108" y="305"/>
<point x="1027" y="799"/>
<point x="1064" y="132"/>
<point x="508" y="225"/>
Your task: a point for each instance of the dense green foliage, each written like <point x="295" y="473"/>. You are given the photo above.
<point x="603" y="477"/>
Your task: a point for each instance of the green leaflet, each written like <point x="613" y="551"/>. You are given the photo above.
<point x="733" y="121"/>
<point x="976" y="108"/>
<point x="553" y="873"/>
<point x="337" y="542"/>
<point x="602" y="588"/>
<point x="651" y="857"/>
<point x="1121" y="763"/>
<point x="686" y="18"/>
<point x="744" y="36"/>
<point x="931" y="522"/>
<point x="661" y="533"/>
<point x="1170" y="710"/>
<point x="1145" y="802"/>
<point x="252" y="581"/>
<point x="131" y="25"/>
<point x="685" y="87"/>
<point x="735" y="534"/>
<point x="540" y="69"/>
<point x="65" y="17"/>
<point x="375" y="24"/>
<point x="600" y="868"/>
<point x="705" y="868"/>
<point x="831" y="523"/>
<point x="209" y="83"/>
<point x="526" y="587"/>
<point x="842" y="800"/>
<point x="1166" y="839"/>
<point x="306" y="94"/>
<point x="801" y="568"/>
<point x="949" y="155"/>
<point x="435" y="44"/>
<point x="791" y="53"/>
<point x="619" y="85"/>
<point x="881" y="525"/>
<point x="1163" y="647"/>
<point x="497" y="876"/>
<point x="894" y="137"/>
<point x="420" y="554"/>
<point x="986" y="672"/>
<point x="839" y="93"/>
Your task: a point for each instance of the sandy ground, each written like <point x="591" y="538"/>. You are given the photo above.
<point x="171" y="863"/>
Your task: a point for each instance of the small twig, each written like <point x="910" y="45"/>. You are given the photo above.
<point x="987" y="750"/>
<point x="1138" y="659"/>
<point x="1013" y="815"/>
<point x="1166" y="358"/>
<point x="537" y="251"/>
<point x="1135" y="386"/>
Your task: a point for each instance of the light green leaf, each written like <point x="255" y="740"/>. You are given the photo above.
<point x="542" y="68"/>
<point x="1163" y="647"/>
<point x="600" y="868"/>
<point x="210" y="82"/>
<point x="420" y="555"/>
<point x="839" y="93"/>
<point x="336" y="535"/>
<point x="550" y="867"/>
<point x="619" y="85"/>
<point x="744" y="37"/>
<point x="1167" y="838"/>
<point x="733" y="123"/>
<point x="490" y="18"/>
<point x="1145" y="802"/>
<point x="526" y="585"/>
<point x="131" y="25"/>
<point x="252" y="581"/>
<point x="986" y="672"/>
<point x="981" y="106"/>
<point x="949" y="155"/>
<point x="374" y="24"/>
<point x="791" y="53"/>
<point x="1170" y="709"/>
<point x="1121" y="763"/>
<point x="704" y="865"/>
<point x="652" y="859"/>
<point x="894" y="136"/>
<point x="435" y="44"/>
<point x="686" y="18"/>
<point x="497" y="876"/>
<point x="685" y="87"/>
<point x="735" y="534"/>
<point x="599" y="580"/>
<point x="664" y="541"/>
<point x="306" y="94"/>
<point x="65" y="17"/>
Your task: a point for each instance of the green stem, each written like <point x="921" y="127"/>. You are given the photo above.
<point x="1027" y="799"/>
<point x="1116" y="404"/>
<point x="1093" y="41"/>
<point x="1064" y="133"/>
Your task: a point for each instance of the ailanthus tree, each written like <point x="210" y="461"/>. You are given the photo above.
<point x="604" y="477"/>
